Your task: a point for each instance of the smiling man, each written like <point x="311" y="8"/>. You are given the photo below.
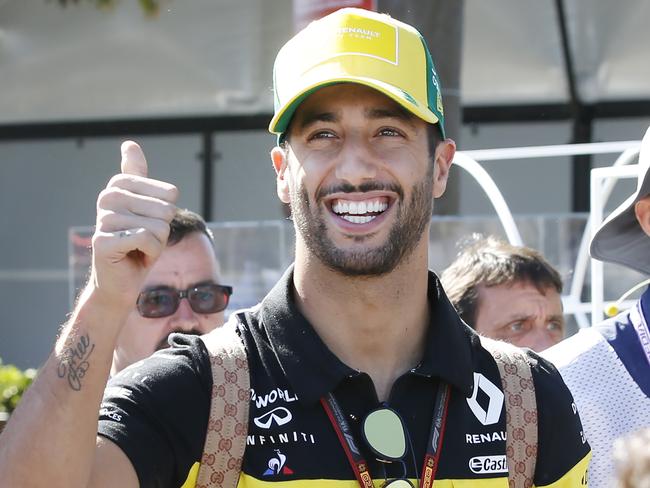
<point x="357" y="337"/>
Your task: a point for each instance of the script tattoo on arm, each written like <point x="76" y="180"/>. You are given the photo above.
<point x="74" y="362"/>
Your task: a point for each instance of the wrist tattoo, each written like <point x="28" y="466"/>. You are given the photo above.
<point x="74" y="362"/>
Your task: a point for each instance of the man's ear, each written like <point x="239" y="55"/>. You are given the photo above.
<point x="642" y="212"/>
<point x="280" y="161"/>
<point x="443" y="158"/>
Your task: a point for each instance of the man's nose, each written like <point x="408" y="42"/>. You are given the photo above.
<point x="356" y="162"/>
<point x="540" y="339"/>
<point x="184" y="318"/>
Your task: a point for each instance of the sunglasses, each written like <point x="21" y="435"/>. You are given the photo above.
<point x="164" y="301"/>
<point x="386" y="436"/>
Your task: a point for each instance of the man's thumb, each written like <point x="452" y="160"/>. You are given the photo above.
<point x="133" y="160"/>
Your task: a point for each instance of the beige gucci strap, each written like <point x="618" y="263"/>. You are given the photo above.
<point x="521" y="411"/>
<point x="225" y="439"/>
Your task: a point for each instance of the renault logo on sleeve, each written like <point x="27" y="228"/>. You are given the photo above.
<point x="279" y="415"/>
<point x="486" y="414"/>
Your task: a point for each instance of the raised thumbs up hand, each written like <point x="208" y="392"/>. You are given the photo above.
<point x="133" y="216"/>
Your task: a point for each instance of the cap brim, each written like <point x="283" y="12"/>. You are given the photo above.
<point x="283" y="116"/>
<point x="620" y="239"/>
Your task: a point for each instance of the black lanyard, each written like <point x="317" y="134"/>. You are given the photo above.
<point x="358" y="463"/>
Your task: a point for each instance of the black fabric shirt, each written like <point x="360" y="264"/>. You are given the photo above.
<point x="157" y="410"/>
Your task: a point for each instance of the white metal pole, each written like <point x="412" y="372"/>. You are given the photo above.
<point x="595" y="219"/>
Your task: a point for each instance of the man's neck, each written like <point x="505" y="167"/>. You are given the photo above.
<point x="377" y="325"/>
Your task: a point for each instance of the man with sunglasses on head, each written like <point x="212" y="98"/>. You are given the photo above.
<point x="357" y="343"/>
<point x="180" y="294"/>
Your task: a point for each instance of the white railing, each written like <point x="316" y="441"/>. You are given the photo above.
<point x="602" y="183"/>
<point x="465" y="161"/>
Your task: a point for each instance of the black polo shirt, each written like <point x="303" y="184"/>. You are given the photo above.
<point x="157" y="410"/>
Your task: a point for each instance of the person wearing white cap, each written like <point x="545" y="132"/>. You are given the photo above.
<point x="607" y="367"/>
<point x="360" y="368"/>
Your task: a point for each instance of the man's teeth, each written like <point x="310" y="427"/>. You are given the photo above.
<point x="358" y="219"/>
<point x="358" y="212"/>
<point x="358" y="208"/>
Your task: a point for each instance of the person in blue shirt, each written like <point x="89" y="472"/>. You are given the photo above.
<point x="607" y="367"/>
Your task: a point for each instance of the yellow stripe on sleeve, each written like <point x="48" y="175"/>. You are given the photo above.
<point x="192" y="476"/>
<point x="576" y="476"/>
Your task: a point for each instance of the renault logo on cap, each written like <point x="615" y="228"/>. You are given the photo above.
<point x="486" y="414"/>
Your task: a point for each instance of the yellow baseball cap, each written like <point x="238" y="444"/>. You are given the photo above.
<point x="357" y="46"/>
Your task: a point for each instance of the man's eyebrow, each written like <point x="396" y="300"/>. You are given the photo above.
<point x="519" y="317"/>
<point x="397" y="112"/>
<point x="309" y="118"/>
<point x="157" y="287"/>
<point x="391" y="113"/>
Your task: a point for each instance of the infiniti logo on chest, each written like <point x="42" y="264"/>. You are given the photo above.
<point x="279" y="416"/>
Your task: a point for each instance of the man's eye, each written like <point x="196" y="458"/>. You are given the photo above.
<point x="158" y="299"/>
<point x="321" y="134"/>
<point x="389" y="132"/>
<point x="554" y="326"/>
<point x="516" y="326"/>
<point x="205" y="296"/>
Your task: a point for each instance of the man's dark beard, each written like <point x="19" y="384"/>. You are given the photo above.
<point x="411" y="221"/>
